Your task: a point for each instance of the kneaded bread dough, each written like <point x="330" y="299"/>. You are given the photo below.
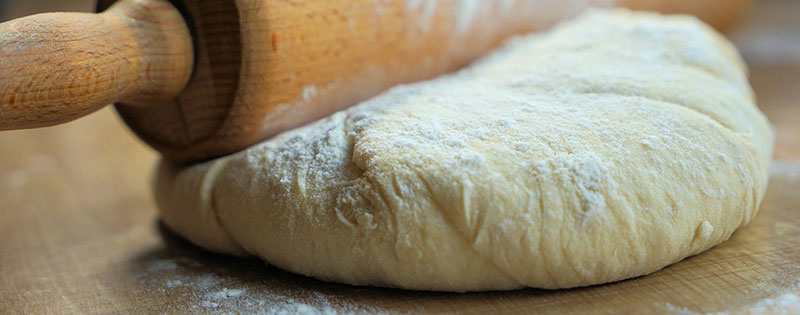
<point x="614" y="145"/>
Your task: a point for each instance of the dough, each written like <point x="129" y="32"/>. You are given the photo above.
<point x="614" y="145"/>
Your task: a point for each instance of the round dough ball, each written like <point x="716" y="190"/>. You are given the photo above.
<point x="612" y="146"/>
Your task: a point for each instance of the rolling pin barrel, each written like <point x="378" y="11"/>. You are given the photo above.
<point x="197" y="79"/>
<point x="57" y="67"/>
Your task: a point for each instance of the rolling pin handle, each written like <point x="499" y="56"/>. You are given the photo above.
<point x="56" y="67"/>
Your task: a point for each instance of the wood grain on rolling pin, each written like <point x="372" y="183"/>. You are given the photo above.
<point x="266" y="66"/>
<point x="57" y="67"/>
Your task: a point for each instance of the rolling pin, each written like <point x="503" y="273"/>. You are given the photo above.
<point x="197" y="79"/>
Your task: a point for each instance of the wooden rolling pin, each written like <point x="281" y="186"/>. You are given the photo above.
<point x="197" y="79"/>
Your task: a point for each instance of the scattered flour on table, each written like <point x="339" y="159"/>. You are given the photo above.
<point x="776" y="294"/>
<point x="786" y="301"/>
<point x="784" y="304"/>
<point x="788" y="170"/>
<point x="678" y="310"/>
<point x="19" y="177"/>
<point x="216" y="293"/>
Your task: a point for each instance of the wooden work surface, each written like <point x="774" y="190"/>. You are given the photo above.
<point x="79" y="231"/>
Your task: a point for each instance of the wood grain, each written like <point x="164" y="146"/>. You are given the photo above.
<point x="61" y="66"/>
<point x="79" y="233"/>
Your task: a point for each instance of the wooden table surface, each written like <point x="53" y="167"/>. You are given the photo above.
<point x="79" y="231"/>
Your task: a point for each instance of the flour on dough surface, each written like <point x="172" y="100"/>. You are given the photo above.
<point x="610" y="147"/>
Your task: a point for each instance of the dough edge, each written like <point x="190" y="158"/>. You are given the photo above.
<point x="191" y="200"/>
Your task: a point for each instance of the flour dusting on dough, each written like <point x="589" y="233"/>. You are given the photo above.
<point x="563" y="159"/>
